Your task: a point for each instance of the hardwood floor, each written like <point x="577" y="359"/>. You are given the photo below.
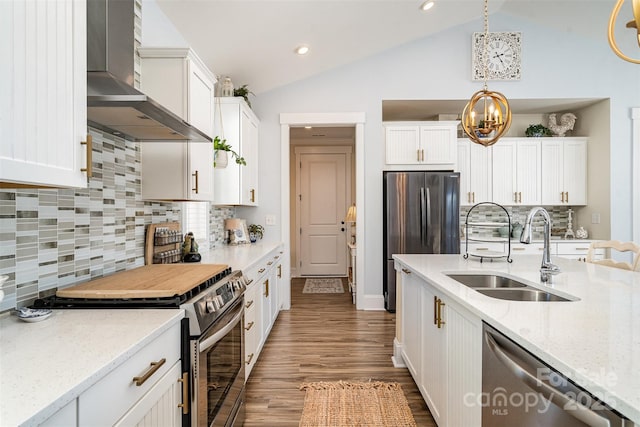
<point x="323" y="338"/>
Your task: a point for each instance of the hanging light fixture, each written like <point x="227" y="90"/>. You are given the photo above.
<point x="631" y="24"/>
<point x="487" y="115"/>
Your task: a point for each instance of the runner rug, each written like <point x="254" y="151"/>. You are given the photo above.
<point x="323" y="286"/>
<point x="363" y="404"/>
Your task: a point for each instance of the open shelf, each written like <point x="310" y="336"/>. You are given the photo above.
<point x="487" y="254"/>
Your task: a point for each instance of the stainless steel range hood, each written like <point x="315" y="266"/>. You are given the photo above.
<point x="113" y="104"/>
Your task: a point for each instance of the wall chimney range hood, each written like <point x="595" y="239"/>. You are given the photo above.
<point x="113" y="104"/>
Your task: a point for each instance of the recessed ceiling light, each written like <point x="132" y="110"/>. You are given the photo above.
<point x="428" y="4"/>
<point x="302" y="50"/>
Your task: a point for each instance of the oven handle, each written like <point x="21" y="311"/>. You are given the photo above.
<point x="213" y="339"/>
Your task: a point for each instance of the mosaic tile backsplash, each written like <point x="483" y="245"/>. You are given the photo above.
<point x="518" y="214"/>
<point x="52" y="238"/>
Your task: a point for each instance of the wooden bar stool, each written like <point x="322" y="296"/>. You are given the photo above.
<point x="616" y="246"/>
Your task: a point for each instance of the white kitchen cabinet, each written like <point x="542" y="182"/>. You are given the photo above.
<point x="564" y="171"/>
<point x="442" y="347"/>
<point x="43" y="107"/>
<point x="130" y="400"/>
<point x="516" y="171"/>
<point x="177" y="171"/>
<point x="237" y="184"/>
<point x="261" y="304"/>
<point x="66" y="416"/>
<point x="178" y="79"/>
<point x="422" y="143"/>
<point x="474" y="165"/>
<point x="577" y="249"/>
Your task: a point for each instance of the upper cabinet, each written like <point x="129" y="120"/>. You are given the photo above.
<point x="43" y="107"/>
<point x="177" y="78"/>
<point x="516" y="171"/>
<point x="421" y="143"/>
<point x="524" y="171"/>
<point x="564" y="171"/>
<point x="237" y="184"/>
<point x="475" y="167"/>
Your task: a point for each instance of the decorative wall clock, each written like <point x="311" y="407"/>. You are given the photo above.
<point x="504" y="51"/>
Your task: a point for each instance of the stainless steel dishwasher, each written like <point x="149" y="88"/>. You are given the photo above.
<point x="518" y="389"/>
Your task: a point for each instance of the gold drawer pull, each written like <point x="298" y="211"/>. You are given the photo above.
<point x="249" y="359"/>
<point x="249" y="304"/>
<point x="89" y="144"/>
<point x="405" y="271"/>
<point x="195" y="176"/>
<point x="185" y="393"/>
<point x="152" y="370"/>
<point x="261" y="270"/>
<point x="518" y="249"/>
<point x="250" y="281"/>
<point x="249" y="327"/>
<point x="270" y="263"/>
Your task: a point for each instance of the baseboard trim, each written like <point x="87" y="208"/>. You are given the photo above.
<point x="372" y="302"/>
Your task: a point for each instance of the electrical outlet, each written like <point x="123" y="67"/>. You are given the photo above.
<point x="595" y="218"/>
<point x="270" y="220"/>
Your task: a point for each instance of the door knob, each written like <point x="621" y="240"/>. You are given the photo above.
<point x="342" y="229"/>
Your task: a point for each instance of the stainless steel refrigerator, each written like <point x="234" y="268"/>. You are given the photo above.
<point x="421" y="216"/>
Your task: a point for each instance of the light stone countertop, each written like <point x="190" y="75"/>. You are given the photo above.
<point x="45" y="365"/>
<point x="594" y="341"/>
<point x="239" y="257"/>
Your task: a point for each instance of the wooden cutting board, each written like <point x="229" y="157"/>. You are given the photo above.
<point x="150" y="281"/>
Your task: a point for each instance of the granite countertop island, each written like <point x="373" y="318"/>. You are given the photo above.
<point x="45" y="365"/>
<point x="593" y="340"/>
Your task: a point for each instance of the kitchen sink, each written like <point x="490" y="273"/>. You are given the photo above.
<point x="522" y="294"/>
<point x="502" y="287"/>
<point x="486" y="281"/>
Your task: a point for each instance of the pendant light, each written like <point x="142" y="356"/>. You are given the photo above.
<point x="487" y="115"/>
<point x="631" y="24"/>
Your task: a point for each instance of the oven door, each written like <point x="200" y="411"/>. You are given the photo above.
<point x="219" y="371"/>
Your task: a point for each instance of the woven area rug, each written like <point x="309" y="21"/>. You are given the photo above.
<point x="363" y="404"/>
<point x="323" y="286"/>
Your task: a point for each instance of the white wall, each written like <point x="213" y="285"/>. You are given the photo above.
<point x="157" y="29"/>
<point x="555" y="65"/>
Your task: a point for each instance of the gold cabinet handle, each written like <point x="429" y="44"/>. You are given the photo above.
<point x="253" y="195"/>
<point x="266" y="288"/>
<point x="418" y="154"/>
<point x="517" y="249"/>
<point x="249" y="304"/>
<point x="515" y="196"/>
<point x="473" y="194"/>
<point x="250" y="281"/>
<point x="469" y="196"/>
<point x="152" y="370"/>
<point x="519" y="197"/>
<point x="567" y="193"/>
<point x="250" y="357"/>
<point x="280" y="271"/>
<point x="406" y="271"/>
<point x="246" y="328"/>
<point x="261" y="270"/>
<point x="89" y="168"/>
<point x="195" y="175"/>
<point x="440" y="321"/>
<point x="185" y="393"/>
<point x="422" y="152"/>
<point x="270" y="263"/>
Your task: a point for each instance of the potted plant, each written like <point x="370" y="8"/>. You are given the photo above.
<point x="537" y="131"/>
<point x="221" y="148"/>
<point x="256" y="231"/>
<point x="244" y="92"/>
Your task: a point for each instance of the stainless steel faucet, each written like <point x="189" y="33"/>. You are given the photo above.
<point x="547" y="269"/>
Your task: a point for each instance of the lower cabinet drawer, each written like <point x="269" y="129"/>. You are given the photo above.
<point x="112" y="396"/>
<point x="522" y="249"/>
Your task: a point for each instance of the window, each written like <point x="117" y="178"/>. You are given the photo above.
<point x="195" y="219"/>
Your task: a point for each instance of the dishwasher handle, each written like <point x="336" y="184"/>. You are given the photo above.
<point x="578" y="410"/>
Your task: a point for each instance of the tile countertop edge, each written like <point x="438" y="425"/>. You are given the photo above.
<point x="457" y="292"/>
<point x="49" y="408"/>
<point x="239" y="257"/>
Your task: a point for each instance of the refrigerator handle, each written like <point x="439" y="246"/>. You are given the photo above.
<point x="423" y="215"/>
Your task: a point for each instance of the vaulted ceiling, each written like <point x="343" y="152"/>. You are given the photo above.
<point x="253" y="40"/>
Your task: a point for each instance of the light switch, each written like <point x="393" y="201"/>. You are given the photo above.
<point x="270" y="220"/>
<point x="595" y="218"/>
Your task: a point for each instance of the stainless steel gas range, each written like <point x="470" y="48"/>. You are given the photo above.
<point x="212" y="339"/>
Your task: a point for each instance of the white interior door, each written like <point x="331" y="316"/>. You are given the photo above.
<point x="323" y="204"/>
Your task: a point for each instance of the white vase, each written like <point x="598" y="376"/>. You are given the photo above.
<point x="220" y="159"/>
<point x="581" y="233"/>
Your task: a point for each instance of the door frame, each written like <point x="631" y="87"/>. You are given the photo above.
<point x="324" y="119"/>
<point x="347" y="151"/>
